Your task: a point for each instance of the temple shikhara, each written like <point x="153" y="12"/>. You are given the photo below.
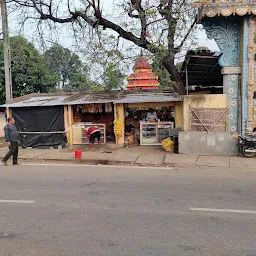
<point x="142" y="77"/>
<point x="232" y="24"/>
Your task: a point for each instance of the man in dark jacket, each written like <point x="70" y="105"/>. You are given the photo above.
<point x="12" y="139"/>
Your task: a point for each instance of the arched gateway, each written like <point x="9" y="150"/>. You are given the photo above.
<point x="233" y="26"/>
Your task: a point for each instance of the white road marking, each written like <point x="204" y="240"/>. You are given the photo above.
<point x="98" y="165"/>
<point x="221" y="210"/>
<point x="18" y="201"/>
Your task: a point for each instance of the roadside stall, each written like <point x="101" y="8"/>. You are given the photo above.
<point x="150" y="117"/>
<point x="151" y="122"/>
<point x="100" y="115"/>
<point x="40" y="119"/>
<point x="136" y="117"/>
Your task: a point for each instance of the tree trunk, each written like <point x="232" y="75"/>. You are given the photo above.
<point x="179" y="86"/>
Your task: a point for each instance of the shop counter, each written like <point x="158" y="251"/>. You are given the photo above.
<point x="154" y="133"/>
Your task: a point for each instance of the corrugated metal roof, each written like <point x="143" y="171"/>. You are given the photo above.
<point x="91" y="98"/>
<point x="36" y="101"/>
<point x="148" y="97"/>
<point x="59" y="99"/>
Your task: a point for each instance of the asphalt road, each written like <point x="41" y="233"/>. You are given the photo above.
<point x="111" y="211"/>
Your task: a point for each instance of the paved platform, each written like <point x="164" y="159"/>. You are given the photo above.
<point x="124" y="157"/>
<point x="213" y="161"/>
<point x="180" y="159"/>
<point x="155" y="159"/>
<point x="242" y="162"/>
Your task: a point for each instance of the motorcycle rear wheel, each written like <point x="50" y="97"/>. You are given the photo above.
<point x="247" y="154"/>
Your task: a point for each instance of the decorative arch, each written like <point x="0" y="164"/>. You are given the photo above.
<point x="226" y="35"/>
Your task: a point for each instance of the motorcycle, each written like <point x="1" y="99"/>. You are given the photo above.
<point x="247" y="145"/>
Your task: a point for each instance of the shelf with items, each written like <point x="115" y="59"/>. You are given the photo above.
<point x="78" y="133"/>
<point x="154" y="133"/>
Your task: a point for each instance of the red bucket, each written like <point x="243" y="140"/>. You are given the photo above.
<point x="78" y="154"/>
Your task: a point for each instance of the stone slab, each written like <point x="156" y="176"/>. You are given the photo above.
<point x="128" y="157"/>
<point x="180" y="159"/>
<point x="213" y="161"/>
<point x="31" y="154"/>
<point x="94" y="156"/>
<point x="151" y="159"/>
<point x="243" y="162"/>
<point x="56" y="155"/>
<point x="4" y="150"/>
<point x="208" y="143"/>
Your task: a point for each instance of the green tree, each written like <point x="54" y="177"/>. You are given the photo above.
<point x="67" y="66"/>
<point x="30" y="74"/>
<point x="112" y="77"/>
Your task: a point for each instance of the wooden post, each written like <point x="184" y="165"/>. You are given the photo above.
<point x="9" y="112"/>
<point x="187" y="79"/>
<point x="119" y="115"/>
<point x="7" y="52"/>
<point x="66" y="123"/>
<point x="70" y="118"/>
<point x="178" y="115"/>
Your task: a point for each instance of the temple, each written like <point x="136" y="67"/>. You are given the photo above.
<point x="142" y="77"/>
<point x="233" y="26"/>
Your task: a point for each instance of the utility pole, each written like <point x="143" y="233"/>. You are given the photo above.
<point x="7" y="52"/>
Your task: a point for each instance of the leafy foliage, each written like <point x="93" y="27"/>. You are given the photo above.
<point x="30" y="74"/>
<point x="58" y="69"/>
<point x="113" y="78"/>
<point x="67" y="67"/>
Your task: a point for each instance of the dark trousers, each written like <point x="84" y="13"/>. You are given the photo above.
<point x="13" y="151"/>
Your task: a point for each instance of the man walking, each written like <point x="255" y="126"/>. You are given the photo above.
<point x="12" y="139"/>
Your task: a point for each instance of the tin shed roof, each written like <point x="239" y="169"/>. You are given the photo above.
<point x="90" y="98"/>
<point x="148" y="97"/>
<point x="33" y="100"/>
<point x="75" y="98"/>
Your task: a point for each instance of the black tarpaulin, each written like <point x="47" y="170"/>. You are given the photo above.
<point x="40" y="119"/>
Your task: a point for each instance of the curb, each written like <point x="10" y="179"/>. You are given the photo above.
<point x="96" y="162"/>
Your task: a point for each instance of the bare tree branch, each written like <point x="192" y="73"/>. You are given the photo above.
<point x="187" y="34"/>
<point x="167" y="13"/>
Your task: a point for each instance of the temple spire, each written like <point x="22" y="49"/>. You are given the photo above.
<point x="143" y="76"/>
